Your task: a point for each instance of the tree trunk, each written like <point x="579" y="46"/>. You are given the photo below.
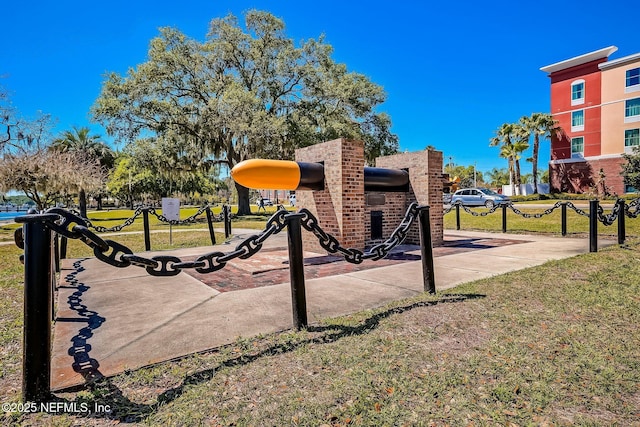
<point x="82" y="200"/>
<point x="518" y="176"/>
<point x="512" y="178"/>
<point x="534" y="163"/>
<point x="99" y="203"/>
<point x="244" y="207"/>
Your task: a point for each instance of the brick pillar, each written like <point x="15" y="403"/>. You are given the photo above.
<point x="426" y="185"/>
<point x="340" y="206"/>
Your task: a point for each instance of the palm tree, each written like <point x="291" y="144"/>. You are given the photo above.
<point x="504" y="138"/>
<point x="511" y="139"/>
<point x="79" y="140"/>
<point x="540" y="125"/>
<point x="520" y="145"/>
<point x="498" y="177"/>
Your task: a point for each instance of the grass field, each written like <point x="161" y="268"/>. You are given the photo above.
<point x="552" y="345"/>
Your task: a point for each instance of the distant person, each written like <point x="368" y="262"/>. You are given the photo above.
<point x="261" y="205"/>
<point x="292" y="200"/>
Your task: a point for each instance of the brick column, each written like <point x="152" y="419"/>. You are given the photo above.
<point x="340" y="206"/>
<point x="425" y="178"/>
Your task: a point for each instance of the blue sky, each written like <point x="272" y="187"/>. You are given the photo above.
<point x="453" y="71"/>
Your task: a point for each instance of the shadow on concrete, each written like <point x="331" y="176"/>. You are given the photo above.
<point x="80" y="348"/>
<point x="124" y="410"/>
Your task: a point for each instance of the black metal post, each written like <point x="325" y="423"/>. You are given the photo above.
<point x="563" y="211"/>
<point x="457" y="216"/>
<point x="38" y="300"/>
<point x="226" y="210"/>
<point x="63" y="247"/>
<point x="621" y="223"/>
<point x="147" y="233"/>
<point x="504" y="217"/>
<point x="212" y="233"/>
<point x="296" y="270"/>
<point x="56" y="251"/>
<point x="593" y="226"/>
<point x="426" y="247"/>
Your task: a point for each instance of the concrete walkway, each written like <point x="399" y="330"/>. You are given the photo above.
<point x="110" y="319"/>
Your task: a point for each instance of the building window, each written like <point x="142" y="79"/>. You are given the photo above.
<point x="631" y="138"/>
<point x="632" y="81"/>
<point x="629" y="188"/>
<point x="577" y="92"/>
<point x="632" y="110"/>
<point x="577" y="146"/>
<point x="577" y="121"/>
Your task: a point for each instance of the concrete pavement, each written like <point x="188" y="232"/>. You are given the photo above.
<point x="110" y="319"/>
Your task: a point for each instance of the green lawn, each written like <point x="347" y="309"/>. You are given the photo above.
<point x="556" y="345"/>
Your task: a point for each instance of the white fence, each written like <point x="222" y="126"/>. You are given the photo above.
<point x="525" y="189"/>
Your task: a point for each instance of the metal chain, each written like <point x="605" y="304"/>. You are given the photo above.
<point x="188" y="220"/>
<point x="632" y="210"/>
<point x="635" y="204"/>
<point x="116" y="228"/>
<point x="576" y="209"/>
<point x="469" y="211"/>
<point x="355" y="256"/>
<point x="139" y="211"/>
<point x="118" y="255"/>
<point x="518" y="211"/>
<point x="611" y="218"/>
<point x="537" y="215"/>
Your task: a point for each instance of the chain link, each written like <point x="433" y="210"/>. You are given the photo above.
<point x="115" y="228"/>
<point x="611" y="218"/>
<point x="18" y="238"/>
<point x="474" y="213"/>
<point x="355" y="256"/>
<point x="577" y="209"/>
<point x="139" y="211"/>
<point x="537" y="215"/>
<point x="73" y="226"/>
<point x="518" y="211"/>
<point x="188" y="220"/>
<point x="635" y="205"/>
<point x="632" y="210"/>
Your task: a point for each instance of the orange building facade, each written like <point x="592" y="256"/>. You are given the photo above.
<point x="597" y="104"/>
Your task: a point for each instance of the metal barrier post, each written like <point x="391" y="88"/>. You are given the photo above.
<point x="147" y="236"/>
<point x="56" y="251"/>
<point x="426" y="247"/>
<point x="212" y="233"/>
<point x="593" y="226"/>
<point x="296" y="270"/>
<point x="458" y="217"/>
<point x="504" y="217"/>
<point x="563" y="210"/>
<point x="227" y="221"/>
<point x="63" y="247"/>
<point x="621" y="223"/>
<point x="38" y="300"/>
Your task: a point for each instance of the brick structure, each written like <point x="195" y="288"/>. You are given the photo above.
<point x="425" y="187"/>
<point x="340" y="206"/>
<point x="344" y="209"/>
<point x="580" y="176"/>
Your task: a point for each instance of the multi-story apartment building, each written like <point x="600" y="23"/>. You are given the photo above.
<point x="597" y="104"/>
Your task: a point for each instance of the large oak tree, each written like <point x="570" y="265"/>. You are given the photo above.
<point x="243" y="93"/>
